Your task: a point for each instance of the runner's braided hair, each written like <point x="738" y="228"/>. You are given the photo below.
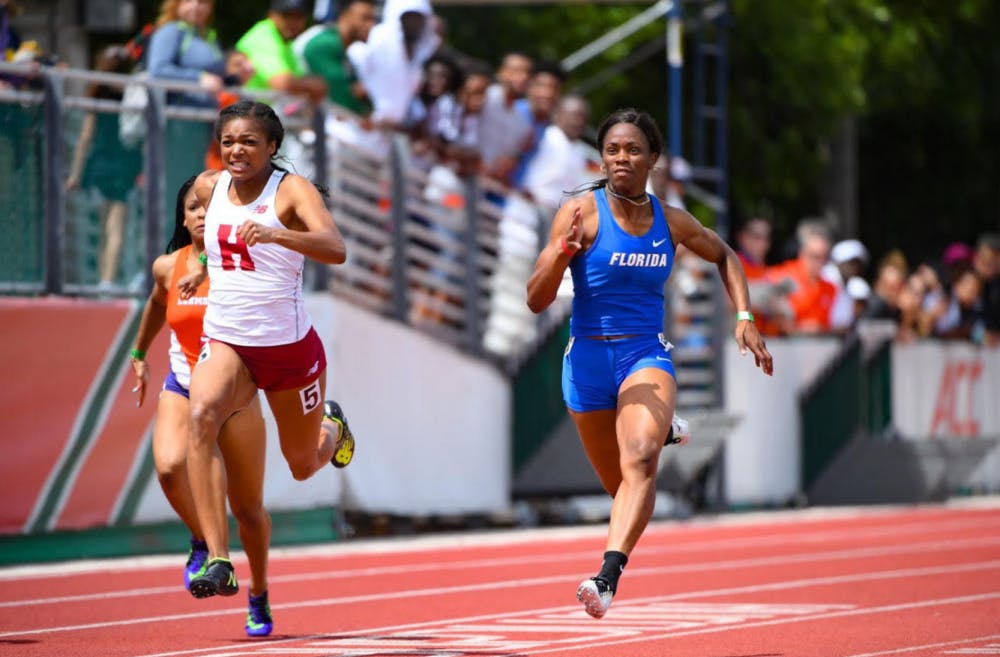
<point x="182" y="236"/>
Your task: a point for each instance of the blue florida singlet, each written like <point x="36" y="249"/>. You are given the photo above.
<point x="618" y="291"/>
<point x="618" y="281"/>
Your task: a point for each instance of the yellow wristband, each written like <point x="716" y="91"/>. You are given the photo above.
<point x="744" y="316"/>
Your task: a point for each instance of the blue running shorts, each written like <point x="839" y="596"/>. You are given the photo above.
<point x="173" y="385"/>
<point x="593" y="369"/>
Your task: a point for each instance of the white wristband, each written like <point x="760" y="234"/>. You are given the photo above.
<point x="744" y="316"/>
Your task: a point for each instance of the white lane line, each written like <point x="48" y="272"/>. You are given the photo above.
<point x="506" y="562"/>
<point x="438" y="591"/>
<point x="354" y="642"/>
<point x="931" y="646"/>
<point x="992" y="649"/>
<point x="906" y="606"/>
<point x="914" y="523"/>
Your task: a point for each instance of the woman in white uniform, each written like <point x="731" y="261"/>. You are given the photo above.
<point x="262" y="222"/>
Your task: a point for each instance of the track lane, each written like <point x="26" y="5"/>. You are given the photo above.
<point x="355" y="592"/>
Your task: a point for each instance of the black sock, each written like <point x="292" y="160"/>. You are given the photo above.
<point x="611" y="569"/>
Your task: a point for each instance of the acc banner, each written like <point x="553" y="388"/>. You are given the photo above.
<point x="945" y="389"/>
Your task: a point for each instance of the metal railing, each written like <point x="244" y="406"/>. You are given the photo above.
<point x="452" y="263"/>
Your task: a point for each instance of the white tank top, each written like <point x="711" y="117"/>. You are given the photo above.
<point x="255" y="293"/>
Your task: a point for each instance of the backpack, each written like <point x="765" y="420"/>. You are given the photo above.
<point x="132" y="120"/>
<point x="137" y="45"/>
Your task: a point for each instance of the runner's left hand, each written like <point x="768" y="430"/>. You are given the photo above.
<point x="747" y="337"/>
<point x="141" y="370"/>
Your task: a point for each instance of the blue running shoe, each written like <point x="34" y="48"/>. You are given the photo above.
<point x="344" y="451"/>
<point x="259" y="621"/>
<point x="216" y="577"/>
<point x="197" y="556"/>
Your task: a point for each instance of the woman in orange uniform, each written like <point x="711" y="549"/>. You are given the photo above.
<point x="242" y="441"/>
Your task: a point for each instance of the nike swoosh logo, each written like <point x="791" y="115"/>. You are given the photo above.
<point x="657" y="243"/>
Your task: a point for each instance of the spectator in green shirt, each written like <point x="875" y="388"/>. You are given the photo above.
<point x="268" y="46"/>
<point x="323" y="51"/>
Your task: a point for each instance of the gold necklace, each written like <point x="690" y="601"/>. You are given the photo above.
<point x="645" y="197"/>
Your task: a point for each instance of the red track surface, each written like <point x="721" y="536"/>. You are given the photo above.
<point x="846" y="583"/>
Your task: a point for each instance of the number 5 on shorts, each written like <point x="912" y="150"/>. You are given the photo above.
<point x="310" y="397"/>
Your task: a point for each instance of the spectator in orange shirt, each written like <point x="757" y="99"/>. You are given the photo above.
<point x="811" y="297"/>
<point x="753" y="241"/>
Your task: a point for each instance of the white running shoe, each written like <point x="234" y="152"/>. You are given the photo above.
<point x="595" y="594"/>
<point x="680" y="432"/>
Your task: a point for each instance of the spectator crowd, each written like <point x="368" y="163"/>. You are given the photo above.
<point x="829" y="286"/>
<point x="387" y="68"/>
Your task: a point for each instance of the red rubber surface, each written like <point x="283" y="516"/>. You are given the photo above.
<point x="922" y="581"/>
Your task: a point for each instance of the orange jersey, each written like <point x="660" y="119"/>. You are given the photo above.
<point x="811" y="300"/>
<point x="754" y="271"/>
<point x="185" y="317"/>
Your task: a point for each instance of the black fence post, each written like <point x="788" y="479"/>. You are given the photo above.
<point x="154" y="172"/>
<point x="320" y="272"/>
<point x="400" y="301"/>
<point x="473" y="276"/>
<point x="55" y="221"/>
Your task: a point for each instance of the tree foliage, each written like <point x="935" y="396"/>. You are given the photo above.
<point x="920" y="76"/>
<point x="929" y="165"/>
<point x="797" y="68"/>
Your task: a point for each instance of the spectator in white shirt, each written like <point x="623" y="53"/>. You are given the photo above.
<point x="560" y="165"/>
<point x="390" y="64"/>
<point x="504" y="133"/>
<point x="848" y="259"/>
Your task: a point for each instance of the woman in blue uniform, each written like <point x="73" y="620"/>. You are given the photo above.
<point x="618" y="377"/>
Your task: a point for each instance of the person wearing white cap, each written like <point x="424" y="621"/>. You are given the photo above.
<point x="858" y="290"/>
<point x="848" y="259"/>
